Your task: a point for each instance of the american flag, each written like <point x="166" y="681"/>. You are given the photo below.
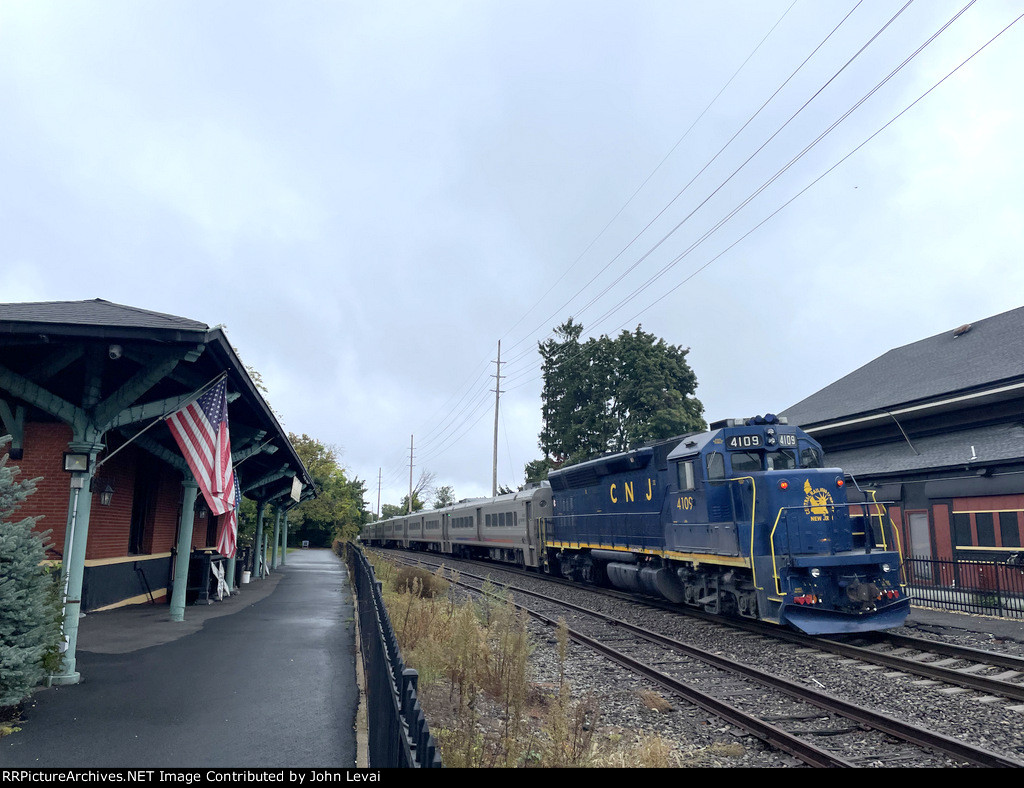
<point x="201" y="431"/>
<point x="227" y="536"/>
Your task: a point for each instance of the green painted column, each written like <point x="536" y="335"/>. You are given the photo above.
<point x="188" y="510"/>
<point x="277" y="537"/>
<point x="284" y="538"/>
<point x="258" y="544"/>
<point x="73" y="569"/>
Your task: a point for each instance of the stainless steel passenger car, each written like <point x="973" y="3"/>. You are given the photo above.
<point x="508" y="528"/>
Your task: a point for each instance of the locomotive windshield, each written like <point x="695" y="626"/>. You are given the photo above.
<point x="781" y="460"/>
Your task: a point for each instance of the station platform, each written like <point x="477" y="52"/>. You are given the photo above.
<point x="939" y="621"/>
<point x="264" y="679"/>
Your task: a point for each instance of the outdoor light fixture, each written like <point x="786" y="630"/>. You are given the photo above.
<point x="106" y="493"/>
<point x="76" y="462"/>
<point x="201" y="511"/>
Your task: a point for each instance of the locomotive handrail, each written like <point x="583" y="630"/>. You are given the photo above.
<point x="771" y="546"/>
<point x="896" y="535"/>
<point x="753" y="511"/>
<point x="847" y="505"/>
<point x="881" y="523"/>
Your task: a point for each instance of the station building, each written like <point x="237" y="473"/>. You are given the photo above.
<point x="85" y="388"/>
<point x="937" y="427"/>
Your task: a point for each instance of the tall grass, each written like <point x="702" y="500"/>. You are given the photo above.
<point x="476" y="687"/>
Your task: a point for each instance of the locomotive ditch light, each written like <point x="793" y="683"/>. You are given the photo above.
<point x="815" y="572"/>
<point x="886" y="568"/>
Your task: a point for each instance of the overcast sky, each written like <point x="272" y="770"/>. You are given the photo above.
<point x="370" y="195"/>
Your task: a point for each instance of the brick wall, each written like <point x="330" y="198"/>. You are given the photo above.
<point x="44" y="446"/>
<point x="109" y="526"/>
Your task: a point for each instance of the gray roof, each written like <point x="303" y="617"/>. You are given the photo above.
<point x="96" y="312"/>
<point x="990" y="352"/>
<point x="969" y="449"/>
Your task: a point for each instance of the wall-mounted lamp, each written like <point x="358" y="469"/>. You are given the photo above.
<point x="201" y="511"/>
<point x="76" y="462"/>
<point x="106" y="493"/>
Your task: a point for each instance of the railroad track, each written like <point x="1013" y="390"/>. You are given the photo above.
<point x="813" y="726"/>
<point x="997" y="676"/>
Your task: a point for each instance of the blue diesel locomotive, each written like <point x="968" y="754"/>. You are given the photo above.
<point x="740" y="520"/>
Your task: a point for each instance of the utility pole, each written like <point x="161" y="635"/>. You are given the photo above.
<point x="378" y="491"/>
<point x="497" y="395"/>
<point x="410" y="476"/>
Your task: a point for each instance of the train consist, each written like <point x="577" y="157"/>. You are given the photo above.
<point x="740" y="520"/>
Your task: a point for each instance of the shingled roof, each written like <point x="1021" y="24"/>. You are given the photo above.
<point x="31" y="335"/>
<point x="968" y="358"/>
<point x="95" y="313"/>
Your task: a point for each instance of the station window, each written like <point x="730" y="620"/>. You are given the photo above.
<point x="962" y="530"/>
<point x="986" y="529"/>
<point x="1008" y="529"/>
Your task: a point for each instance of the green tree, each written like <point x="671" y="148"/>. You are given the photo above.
<point x="30" y="612"/>
<point x="444" y="496"/>
<point x="607" y="394"/>
<point x="339" y="508"/>
<point x="537" y="470"/>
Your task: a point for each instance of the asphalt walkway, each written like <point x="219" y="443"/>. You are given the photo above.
<point x="264" y="679"/>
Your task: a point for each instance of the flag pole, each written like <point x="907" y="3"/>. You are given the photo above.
<point x="199" y="392"/>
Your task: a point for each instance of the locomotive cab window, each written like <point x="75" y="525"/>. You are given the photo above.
<point x="685" y="476"/>
<point x="745" y="461"/>
<point x="716" y="466"/>
<point x="781" y="460"/>
<point x="810" y="457"/>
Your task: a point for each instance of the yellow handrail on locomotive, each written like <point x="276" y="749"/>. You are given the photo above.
<point x="771" y="544"/>
<point x="896" y="535"/>
<point x="753" y="511"/>
<point x="881" y="523"/>
<point x="771" y="539"/>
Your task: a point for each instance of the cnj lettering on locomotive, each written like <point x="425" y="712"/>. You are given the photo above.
<point x="628" y="492"/>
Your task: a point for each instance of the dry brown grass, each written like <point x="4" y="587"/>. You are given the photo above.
<point x="483" y="707"/>
<point x="655" y="702"/>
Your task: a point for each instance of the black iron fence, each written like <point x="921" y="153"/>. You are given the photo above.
<point x="398" y="731"/>
<point x="990" y="588"/>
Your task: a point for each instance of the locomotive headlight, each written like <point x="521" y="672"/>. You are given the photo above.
<point x="815" y="572"/>
<point x="886" y="568"/>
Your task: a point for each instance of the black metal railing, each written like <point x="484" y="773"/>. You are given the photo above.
<point x="398" y="732"/>
<point x="994" y="588"/>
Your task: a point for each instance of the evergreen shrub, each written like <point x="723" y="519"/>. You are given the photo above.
<point x="30" y="610"/>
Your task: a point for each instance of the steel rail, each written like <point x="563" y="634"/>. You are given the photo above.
<point x="969" y="653"/>
<point x="901" y="730"/>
